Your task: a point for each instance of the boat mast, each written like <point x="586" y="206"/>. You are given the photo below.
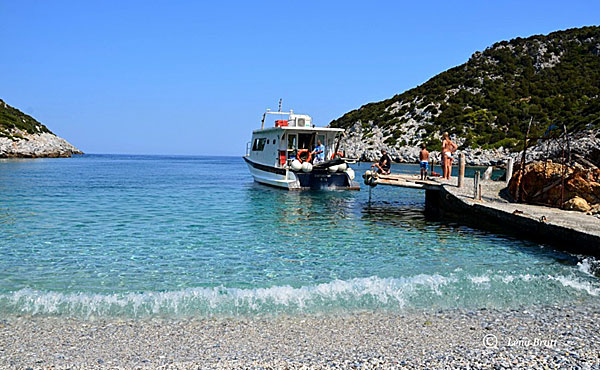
<point x="262" y="122"/>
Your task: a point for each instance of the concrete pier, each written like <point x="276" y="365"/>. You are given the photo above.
<point x="567" y="230"/>
<point x="571" y="231"/>
<point x="401" y="180"/>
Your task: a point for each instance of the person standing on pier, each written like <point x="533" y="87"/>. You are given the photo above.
<point x="424" y="161"/>
<point x="448" y="149"/>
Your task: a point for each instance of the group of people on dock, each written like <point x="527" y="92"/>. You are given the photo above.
<point x="447" y="157"/>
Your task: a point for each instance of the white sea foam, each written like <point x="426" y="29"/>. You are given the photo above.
<point x="588" y="266"/>
<point x="367" y="292"/>
<point x="361" y="293"/>
<point x="482" y="279"/>
<point x="525" y="277"/>
<point x="508" y="279"/>
<point x="577" y="284"/>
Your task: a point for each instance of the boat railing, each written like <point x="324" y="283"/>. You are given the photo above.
<point x="248" y="147"/>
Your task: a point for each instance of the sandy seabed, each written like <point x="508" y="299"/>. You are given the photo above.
<point x="558" y="337"/>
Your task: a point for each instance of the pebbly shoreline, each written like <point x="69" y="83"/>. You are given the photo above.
<point x="557" y="336"/>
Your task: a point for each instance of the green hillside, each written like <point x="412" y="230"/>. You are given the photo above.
<point x="12" y="118"/>
<point x="488" y="100"/>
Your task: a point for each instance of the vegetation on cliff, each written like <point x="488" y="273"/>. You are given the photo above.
<point x="488" y="101"/>
<point x="12" y="119"/>
<point x="22" y="136"/>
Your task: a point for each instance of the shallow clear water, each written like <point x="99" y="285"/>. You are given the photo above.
<point x="104" y="235"/>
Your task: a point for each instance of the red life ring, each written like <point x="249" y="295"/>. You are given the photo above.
<point x="300" y="153"/>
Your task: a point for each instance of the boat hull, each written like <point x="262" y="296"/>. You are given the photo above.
<point x="297" y="180"/>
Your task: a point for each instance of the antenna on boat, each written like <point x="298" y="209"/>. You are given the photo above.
<point x="262" y="123"/>
<point x="280" y="100"/>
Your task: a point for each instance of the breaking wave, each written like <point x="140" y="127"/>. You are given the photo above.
<point x="420" y="291"/>
<point x="577" y="284"/>
<point x="354" y="293"/>
<point x="589" y="266"/>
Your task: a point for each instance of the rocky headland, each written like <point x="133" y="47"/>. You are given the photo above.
<point x="486" y="104"/>
<point x="21" y="136"/>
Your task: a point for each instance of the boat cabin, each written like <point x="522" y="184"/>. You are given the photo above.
<point x="281" y="154"/>
<point x="291" y="136"/>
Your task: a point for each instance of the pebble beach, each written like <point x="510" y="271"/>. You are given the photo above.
<point x="551" y="336"/>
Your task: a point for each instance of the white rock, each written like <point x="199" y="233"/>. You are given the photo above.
<point x="36" y="145"/>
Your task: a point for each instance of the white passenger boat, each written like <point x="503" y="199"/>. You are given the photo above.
<point x="283" y="155"/>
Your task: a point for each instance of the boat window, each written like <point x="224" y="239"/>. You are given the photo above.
<point x="267" y="141"/>
<point x="274" y="141"/>
<point x="306" y="141"/>
<point x="291" y="142"/>
<point x="259" y="144"/>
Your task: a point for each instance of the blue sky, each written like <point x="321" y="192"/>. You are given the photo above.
<point x="193" y="77"/>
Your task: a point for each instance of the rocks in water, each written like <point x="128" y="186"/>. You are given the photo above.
<point x="542" y="183"/>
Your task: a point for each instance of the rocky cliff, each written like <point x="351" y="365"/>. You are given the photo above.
<point x="23" y="136"/>
<point x="487" y="102"/>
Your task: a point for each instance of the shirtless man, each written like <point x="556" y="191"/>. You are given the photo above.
<point x="448" y="149"/>
<point x="424" y="159"/>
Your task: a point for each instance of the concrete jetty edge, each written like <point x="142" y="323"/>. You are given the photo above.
<point x="565" y="230"/>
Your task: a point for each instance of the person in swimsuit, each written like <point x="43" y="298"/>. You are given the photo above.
<point x="448" y="149"/>
<point x="424" y="161"/>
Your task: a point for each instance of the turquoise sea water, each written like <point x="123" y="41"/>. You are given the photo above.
<point x="105" y="235"/>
